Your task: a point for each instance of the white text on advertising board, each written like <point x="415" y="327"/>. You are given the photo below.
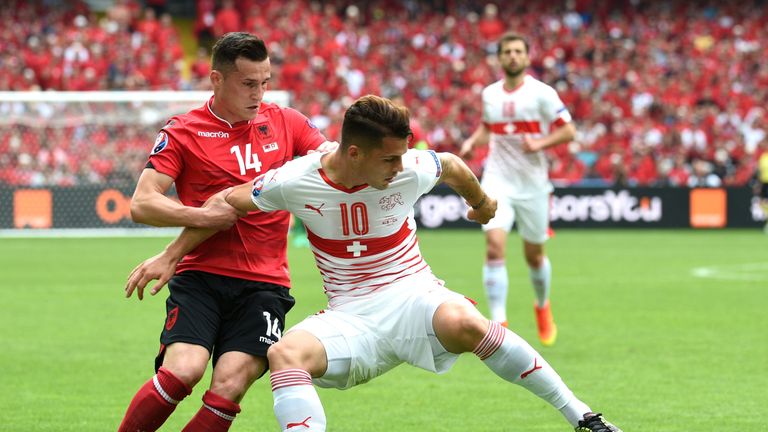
<point x="609" y="205"/>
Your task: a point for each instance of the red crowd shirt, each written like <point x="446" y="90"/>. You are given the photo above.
<point x="205" y="154"/>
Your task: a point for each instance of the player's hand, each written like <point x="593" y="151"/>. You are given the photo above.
<point x="160" y="267"/>
<point x="484" y="212"/>
<point x="466" y="150"/>
<point x="219" y="214"/>
<point x="326" y="147"/>
<point x="531" y="145"/>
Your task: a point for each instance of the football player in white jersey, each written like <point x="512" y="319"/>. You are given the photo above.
<point x="522" y="116"/>
<point x="385" y="307"/>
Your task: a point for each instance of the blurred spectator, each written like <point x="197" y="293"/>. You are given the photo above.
<point x="227" y="19"/>
<point x="205" y="14"/>
<point x="703" y="176"/>
<point x="654" y="87"/>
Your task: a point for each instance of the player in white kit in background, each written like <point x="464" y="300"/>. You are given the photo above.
<point x="385" y="307"/>
<point x="522" y="116"/>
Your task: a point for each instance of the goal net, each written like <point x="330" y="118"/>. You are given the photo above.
<point x="70" y="160"/>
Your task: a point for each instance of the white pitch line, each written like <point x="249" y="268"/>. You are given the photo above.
<point x="737" y="272"/>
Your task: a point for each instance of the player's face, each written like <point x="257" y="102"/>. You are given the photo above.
<point x="513" y="58"/>
<point x="379" y="166"/>
<point x="239" y="92"/>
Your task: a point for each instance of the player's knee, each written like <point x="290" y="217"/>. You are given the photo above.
<point x="187" y="363"/>
<point x="473" y="327"/>
<point x="188" y="373"/>
<point x="494" y="254"/>
<point x="284" y="355"/>
<point x="534" y="260"/>
<point x="232" y="386"/>
<point x="234" y="373"/>
<point x="459" y="328"/>
<point x="534" y="255"/>
<point x="495" y="249"/>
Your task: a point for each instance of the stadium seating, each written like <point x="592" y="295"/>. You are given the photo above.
<point x="656" y="88"/>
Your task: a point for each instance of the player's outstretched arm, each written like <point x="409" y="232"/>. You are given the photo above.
<point x="150" y="206"/>
<point x="239" y="197"/>
<point x="479" y="137"/>
<point x="460" y="178"/>
<point x="563" y="134"/>
<point x="161" y="267"/>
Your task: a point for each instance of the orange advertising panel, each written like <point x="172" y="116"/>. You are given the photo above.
<point x="708" y="208"/>
<point x="32" y="208"/>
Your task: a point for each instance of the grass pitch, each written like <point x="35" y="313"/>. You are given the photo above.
<point x="660" y="330"/>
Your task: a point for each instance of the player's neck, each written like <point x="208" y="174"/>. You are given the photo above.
<point x="339" y="170"/>
<point x="220" y="111"/>
<point x="513" y="82"/>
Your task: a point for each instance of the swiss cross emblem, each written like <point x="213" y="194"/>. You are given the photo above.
<point x="356" y="248"/>
<point x="509" y="128"/>
<point x="264" y="131"/>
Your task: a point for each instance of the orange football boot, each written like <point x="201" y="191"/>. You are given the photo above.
<point x="547" y="327"/>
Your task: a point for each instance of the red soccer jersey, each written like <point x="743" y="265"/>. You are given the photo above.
<point x="206" y="154"/>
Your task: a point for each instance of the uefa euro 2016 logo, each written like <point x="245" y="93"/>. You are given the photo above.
<point x="160" y="142"/>
<point x="258" y="183"/>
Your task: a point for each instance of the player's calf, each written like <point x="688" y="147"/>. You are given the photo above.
<point x="154" y="402"/>
<point x="216" y="414"/>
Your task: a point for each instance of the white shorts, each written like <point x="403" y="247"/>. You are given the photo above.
<point x="367" y="337"/>
<point x="532" y="214"/>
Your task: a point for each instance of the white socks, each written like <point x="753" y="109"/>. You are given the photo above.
<point x="514" y="360"/>
<point x="540" y="279"/>
<point x="496" y="283"/>
<point x="296" y="404"/>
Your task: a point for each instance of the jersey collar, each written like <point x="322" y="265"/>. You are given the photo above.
<point x="517" y="87"/>
<point x="337" y="186"/>
<point x="213" y="114"/>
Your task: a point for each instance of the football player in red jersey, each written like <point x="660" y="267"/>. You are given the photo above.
<point x="229" y="296"/>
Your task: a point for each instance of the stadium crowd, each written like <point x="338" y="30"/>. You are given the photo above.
<point x="663" y="93"/>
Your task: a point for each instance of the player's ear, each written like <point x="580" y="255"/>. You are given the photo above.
<point x="216" y="78"/>
<point x="354" y="152"/>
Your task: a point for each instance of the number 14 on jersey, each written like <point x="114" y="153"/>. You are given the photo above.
<point x="248" y="160"/>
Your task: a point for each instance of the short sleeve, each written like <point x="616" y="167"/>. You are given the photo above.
<point x="166" y="156"/>
<point x="266" y="192"/>
<point x="427" y="168"/>
<point x="553" y="109"/>
<point x="306" y="136"/>
<point x="486" y="106"/>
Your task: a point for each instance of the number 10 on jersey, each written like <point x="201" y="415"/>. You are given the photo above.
<point x="251" y="160"/>
<point x="355" y="215"/>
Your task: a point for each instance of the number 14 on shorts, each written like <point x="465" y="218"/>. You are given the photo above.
<point x="273" y="326"/>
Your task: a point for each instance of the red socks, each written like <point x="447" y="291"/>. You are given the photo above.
<point x="157" y="399"/>
<point x="215" y="415"/>
<point x="154" y="402"/>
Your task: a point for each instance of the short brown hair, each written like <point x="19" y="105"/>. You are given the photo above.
<point x="509" y="37"/>
<point x="372" y="118"/>
<point x="233" y="46"/>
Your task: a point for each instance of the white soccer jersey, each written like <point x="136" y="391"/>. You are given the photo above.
<point x="363" y="238"/>
<point x="532" y="108"/>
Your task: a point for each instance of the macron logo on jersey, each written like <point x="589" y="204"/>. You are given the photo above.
<point x="218" y="134"/>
